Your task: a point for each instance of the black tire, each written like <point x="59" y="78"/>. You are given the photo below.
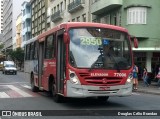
<point x="103" y="98"/>
<point x="15" y="73"/>
<point x="33" y="87"/>
<point x="56" y="97"/>
<point x="5" y="72"/>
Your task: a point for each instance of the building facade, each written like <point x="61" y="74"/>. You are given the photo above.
<point x="26" y="22"/>
<point x="39" y="15"/>
<point x="14" y="44"/>
<point x="1" y="16"/>
<point x="18" y="30"/>
<point x="68" y="10"/>
<point x="11" y="9"/>
<point x="140" y="17"/>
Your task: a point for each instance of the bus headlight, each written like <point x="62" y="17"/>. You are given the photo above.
<point x="129" y="79"/>
<point x="73" y="77"/>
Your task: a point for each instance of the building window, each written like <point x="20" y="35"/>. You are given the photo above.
<point x="78" y="19"/>
<point x="57" y="7"/>
<point x="23" y="12"/>
<point x="61" y="6"/>
<point x="54" y="9"/>
<point x="84" y="17"/>
<point x="136" y="15"/>
<point x="64" y="4"/>
<point x="73" y="20"/>
<point x="94" y="1"/>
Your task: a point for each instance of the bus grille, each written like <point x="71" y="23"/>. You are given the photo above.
<point x="103" y="92"/>
<point x="100" y="80"/>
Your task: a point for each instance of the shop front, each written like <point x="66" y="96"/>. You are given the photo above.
<point x="150" y="60"/>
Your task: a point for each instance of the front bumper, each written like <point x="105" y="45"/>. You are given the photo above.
<point x="10" y="71"/>
<point x="81" y="91"/>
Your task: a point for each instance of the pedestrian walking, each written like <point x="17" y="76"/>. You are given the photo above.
<point x="157" y="69"/>
<point x="158" y="77"/>
<point x="145" y="77"/>
<point x="135" y="77"/>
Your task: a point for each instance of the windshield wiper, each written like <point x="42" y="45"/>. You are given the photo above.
<point x="97" y="63"/>
<point x="92" y="66"/>
<point x="72" y="60"/>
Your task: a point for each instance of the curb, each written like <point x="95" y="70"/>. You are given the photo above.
<point x="147" y="92"/>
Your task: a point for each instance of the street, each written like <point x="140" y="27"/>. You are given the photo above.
<point x="15" y="94"/>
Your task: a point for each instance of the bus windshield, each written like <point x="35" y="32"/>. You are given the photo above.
<point x="99" y="48"/>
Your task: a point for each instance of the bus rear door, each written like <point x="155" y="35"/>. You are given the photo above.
<point x="40" y="63"/>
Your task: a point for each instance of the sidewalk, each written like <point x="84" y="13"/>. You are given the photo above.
<point x="153" y="88"/>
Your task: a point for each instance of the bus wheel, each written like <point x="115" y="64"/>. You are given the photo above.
<point x="103" y="98"/>
<point x="57" y="98"/>
<point x="33" y="87"/>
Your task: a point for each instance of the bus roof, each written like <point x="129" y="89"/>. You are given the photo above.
<point x="31" y="40"/>
<point x="80" y="24"/>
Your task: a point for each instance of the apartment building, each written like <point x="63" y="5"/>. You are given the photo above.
<point x="141" y="18"/>
<point x="39" y="15"/>
<point x="14" y="44"/>
<point x="1" y="16"/>
<point x="26" y="22"/>
<point x="67" y="11"/>
<point x="11" y="9"/>
<point x="18" y="30"/>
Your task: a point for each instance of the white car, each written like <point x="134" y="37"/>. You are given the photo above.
<point x="9" y="68"/>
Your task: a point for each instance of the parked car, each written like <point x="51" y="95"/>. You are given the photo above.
<point x="9" y="67"/>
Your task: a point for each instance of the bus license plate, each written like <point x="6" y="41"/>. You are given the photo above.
<point x="104" y="88"/>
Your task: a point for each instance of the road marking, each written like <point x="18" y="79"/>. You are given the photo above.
<point x="4" y="95"/>
<point x="24" y="94"/>
<point x="16" y="91"/>
<point x="26" y="86"/>
<point x="13" y="94"/>
<point x="13" y="83"/>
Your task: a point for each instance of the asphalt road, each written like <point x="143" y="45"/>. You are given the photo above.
<point x="15" y="94"/>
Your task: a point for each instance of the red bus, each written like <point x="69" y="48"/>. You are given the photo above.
<point x="79" y="59"/>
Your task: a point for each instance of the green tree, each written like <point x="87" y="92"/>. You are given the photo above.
<point x="17" y="56"/>
<point x="2" y="56"/>
<point x="1" y="46"/>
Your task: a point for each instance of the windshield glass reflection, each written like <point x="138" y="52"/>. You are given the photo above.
<point x="99" y="48"/>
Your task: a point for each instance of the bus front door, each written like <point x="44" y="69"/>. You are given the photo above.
<point x="60" y="69"/>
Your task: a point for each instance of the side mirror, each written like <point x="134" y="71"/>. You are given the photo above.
<point x="135" y="42"/>
<point x="66" y="38"/>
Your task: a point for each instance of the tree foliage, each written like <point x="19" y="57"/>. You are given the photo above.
<point x="1" y="46"/>
<point x="17" y="56"/>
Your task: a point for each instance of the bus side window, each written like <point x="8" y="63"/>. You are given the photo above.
<point x="35" y="50"/>
<point x="32" y="47"/>
<point x="27" y="57"/>
<point x="49" y="47"/>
